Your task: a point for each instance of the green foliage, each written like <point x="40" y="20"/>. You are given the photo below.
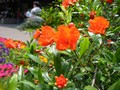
<point x="13" y="82"/>
<point x="94" y="65"/>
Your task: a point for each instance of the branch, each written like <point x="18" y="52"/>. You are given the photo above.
<point x="93" y="81"/>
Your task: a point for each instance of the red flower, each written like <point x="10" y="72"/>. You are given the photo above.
<point x="66" y="37"/>
<point x="98" y="25"/>
<point x="92" y="14"/>
<point x="47" y="36"/>
<point x="22" y="62"/>
<point x="109" y="42"/>
<point x="67" y="3"/>
<point x="37" y="34"/>
<point x="61" y="81"/>
<point x="71" y="24"/>
<point x="109" y="1"/>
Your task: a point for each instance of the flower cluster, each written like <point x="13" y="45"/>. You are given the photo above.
<point x="65" y="37"/>
<point x="10" y="43"/>
<point x="3" y="50"/>
<point x="7" y="70"/>
<point x="61" y="81"/>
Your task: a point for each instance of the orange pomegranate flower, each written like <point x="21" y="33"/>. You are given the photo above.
<point x="74" y="35"/>
<point x="67" y="3"/>
<point x="98" y="25"/>
<point x="67" y="37"/>
<point x="61" y="81"/>
<point x="47" y="36"/>
<point x="37" y="34"/>
<point x="9" y="43"/>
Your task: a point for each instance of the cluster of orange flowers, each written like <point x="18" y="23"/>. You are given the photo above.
<point x="61" y="81"/>
<point x="9" y="43"/>
<point x="67" y="3"/>
<point x="65" y="37"/>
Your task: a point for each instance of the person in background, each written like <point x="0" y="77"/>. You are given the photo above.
<point x="33" y="19"/>
<point x="35" y="11"/>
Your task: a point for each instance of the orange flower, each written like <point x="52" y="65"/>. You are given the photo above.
<point x="92" y="14"/>
<point x="37" y="34"/>
<point x="67" y="3"/>
<point x="61" y="81"/>
<point x="47" y="36"/>
<point x="98" y="25"/>
<point x="109" y="1"/>
<point x="9" y="43"/>
<point x="67" y="37"/>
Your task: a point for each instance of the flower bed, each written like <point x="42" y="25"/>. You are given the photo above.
<point x="76" y="48"/>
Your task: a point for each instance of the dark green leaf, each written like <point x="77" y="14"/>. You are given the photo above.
<point x="116" y="29"/>
<point x="115" y="86"/>
<point x="29" y="84"/>
<point x="40" y="78"/>
<point x="117" y="54"/>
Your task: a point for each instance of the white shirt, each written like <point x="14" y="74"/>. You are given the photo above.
<point x="33" y="12"/>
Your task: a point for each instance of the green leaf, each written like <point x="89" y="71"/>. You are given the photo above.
<point x="20" y="73"/>
<point x="116" y="68"/>
<point x="34" y="58"/>
<point x="84" y="45"/>
<point x="66" y="67"/>
<point x="116" y="29"/>
<point x="29" y="84"/>
<point x="117" y="54"/>
<point x="46" y="77"/>
<point x="13" y="82"/>
<point x="40" y="78"/>
<point x="33" y="71"/>
<point x="115" y="86"/>
<point x="89" y="88"/>
<point x="32" y="49"/>
<point x="98" y="76"/>
<point x="57" y="61"/>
